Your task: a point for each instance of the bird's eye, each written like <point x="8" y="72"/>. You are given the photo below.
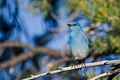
<point x="71" y="24"/>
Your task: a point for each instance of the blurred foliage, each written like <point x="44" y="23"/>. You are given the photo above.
<point x="108" y="45"/>
<point x="39" y="5"/>
<point x="90" y="75"/>
<point x="101" y="11"/>
<point x="97" y="10"/>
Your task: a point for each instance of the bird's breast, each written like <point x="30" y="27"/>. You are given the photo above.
<point x="78" y="46"/>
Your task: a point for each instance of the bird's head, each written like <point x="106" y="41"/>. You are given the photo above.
<point x="74" y="26"/>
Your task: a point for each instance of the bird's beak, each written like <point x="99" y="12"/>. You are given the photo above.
<point x="68" y="24"/>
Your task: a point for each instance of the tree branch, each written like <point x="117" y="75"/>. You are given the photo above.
<point x="75" y="67"/>
<point x="106" y="74"/>
<point x="32" y="51"/>
<point x="62" y="24"/>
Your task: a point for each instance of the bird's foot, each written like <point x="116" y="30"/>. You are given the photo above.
<point x="75" y="64"/>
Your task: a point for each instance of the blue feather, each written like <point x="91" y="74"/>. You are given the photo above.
<point x="78" y="41"/>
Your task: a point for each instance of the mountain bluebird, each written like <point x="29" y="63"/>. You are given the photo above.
<point x="78" y="41"/>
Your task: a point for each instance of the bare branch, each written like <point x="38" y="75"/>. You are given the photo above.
<point x="76" y="67"/>
<point x="63" y="23"/>
<point x="92" y="27"/>
<point x="32" y="51"/>
<point x="106" y="74"/>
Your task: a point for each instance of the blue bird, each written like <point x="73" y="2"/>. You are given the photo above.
<point x="78" y="42"/>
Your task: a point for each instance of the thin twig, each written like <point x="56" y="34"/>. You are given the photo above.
<point x="76" y="67"/>
<point x="61" y="27"/>
<point x="106" y="74"/>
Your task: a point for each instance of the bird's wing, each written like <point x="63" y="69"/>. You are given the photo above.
<point x="85" y="37"/>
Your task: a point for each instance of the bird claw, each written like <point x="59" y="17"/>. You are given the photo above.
<point x="74" y="66"/>
<point x="83" y="65"/>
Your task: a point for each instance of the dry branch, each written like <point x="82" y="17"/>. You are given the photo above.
<point x="106" y="74"/>
<point x="50" y="52"/>
<point x="32" y="51"/>
<point x="76" y="67"/>
<point x="63" y="24"/>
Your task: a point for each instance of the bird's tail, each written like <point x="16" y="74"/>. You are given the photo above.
<point x="82" y="73"/>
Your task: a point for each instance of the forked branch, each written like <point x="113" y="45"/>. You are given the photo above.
<point x="63" y="69"/>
